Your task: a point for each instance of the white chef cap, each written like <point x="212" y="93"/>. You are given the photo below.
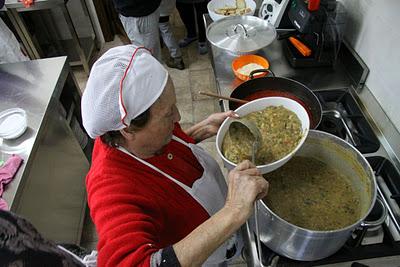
<point x="123" y="83"/>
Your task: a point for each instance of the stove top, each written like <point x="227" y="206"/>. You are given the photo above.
<point x="343" y="118"/>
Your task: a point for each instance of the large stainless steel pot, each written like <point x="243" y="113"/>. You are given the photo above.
<point x="307" y="245"/>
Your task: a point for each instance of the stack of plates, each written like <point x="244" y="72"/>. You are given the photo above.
<point x="13" y="123"/>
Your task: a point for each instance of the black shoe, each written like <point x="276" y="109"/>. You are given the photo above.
<point x="176" y="63"/>
<point x="186" y="41"/>
<point x="202" y="48"/>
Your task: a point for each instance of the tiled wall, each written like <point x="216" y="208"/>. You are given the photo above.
<point x="374" y="32"/>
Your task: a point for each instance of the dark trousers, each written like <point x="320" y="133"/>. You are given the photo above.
<point x="192" y="14"/>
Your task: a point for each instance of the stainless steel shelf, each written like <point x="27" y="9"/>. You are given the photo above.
<point x="87" y="44"/>
<point x="83" y="49"/>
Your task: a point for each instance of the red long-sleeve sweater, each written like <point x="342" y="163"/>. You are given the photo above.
<point x="136" y="210"/>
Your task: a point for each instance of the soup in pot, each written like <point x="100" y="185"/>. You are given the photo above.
<point x="308" y="193"/>
<point x="281" y="132"/>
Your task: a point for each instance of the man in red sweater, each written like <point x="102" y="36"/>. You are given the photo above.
<point x="156" y="198"/>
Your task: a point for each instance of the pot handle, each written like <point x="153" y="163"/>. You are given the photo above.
<point x="261" y="70"/>
<point x="380" y="220"/>
<point x="366" y="224"/>
<point x="244" y="30"/>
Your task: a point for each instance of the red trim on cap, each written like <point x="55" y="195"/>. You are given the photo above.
<point x="121" y="84"/>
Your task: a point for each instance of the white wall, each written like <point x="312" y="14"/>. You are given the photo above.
<point x="374" y="32"/>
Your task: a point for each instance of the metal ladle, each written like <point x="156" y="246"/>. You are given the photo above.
<point x="241" y="125"/>
<point x="249" y="126"/>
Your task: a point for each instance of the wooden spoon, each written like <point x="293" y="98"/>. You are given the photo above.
<point x="241" y="101"/>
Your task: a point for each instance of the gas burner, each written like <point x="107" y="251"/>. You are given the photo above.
<point x="332" y="122"/>
<point x="342" y="117"/>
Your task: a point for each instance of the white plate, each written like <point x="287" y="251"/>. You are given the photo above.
<point x="214" y="4"/>
<point x="13" y="123"/>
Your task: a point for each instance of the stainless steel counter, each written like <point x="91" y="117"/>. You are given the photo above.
<point x="48" y="189"/>
<point x="314" y="78"/>
<point x="30" y="86"/>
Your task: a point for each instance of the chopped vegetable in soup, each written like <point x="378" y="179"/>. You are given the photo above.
<point x="281" y="132"/>
<point x="308" y="193"/>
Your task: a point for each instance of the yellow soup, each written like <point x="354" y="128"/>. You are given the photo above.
<point x="281" y="132"/>
<point x="308" y="193"/>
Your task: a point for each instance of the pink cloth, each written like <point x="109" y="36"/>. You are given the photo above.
<point x="7" y="173"/>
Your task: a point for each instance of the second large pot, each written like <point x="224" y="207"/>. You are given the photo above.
<point x="307" y="245"/>
<point x="279" y="86"/>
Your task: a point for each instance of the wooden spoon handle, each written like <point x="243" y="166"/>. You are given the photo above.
<point x="241" y="101"/>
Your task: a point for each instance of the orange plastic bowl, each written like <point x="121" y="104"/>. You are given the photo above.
<point x="241" y="61"/>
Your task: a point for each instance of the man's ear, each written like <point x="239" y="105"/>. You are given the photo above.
<point x="128" y="134"/>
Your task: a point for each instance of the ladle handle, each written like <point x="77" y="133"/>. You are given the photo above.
<point x="259" y="250"/>
<point x="240" y="101"/>
<point x="256" y="204"/>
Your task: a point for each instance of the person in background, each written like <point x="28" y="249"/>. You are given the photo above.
<point x="10" y="50"/>
<point x="22" y="245"/>
<point x="175" y="60"/>
<point x="157" y="198"/>
<point x="140" y="21"/>
<point x="191" y="13"/>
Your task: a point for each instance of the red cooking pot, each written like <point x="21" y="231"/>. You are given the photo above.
<point x="278" y="86"/>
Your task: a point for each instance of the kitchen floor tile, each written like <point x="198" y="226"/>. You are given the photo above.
<point x="197" y="61"/>
<point x="185" y="104"/>
<point x="203" y="108"/>
<point x="183" y="94"/>
<point x="201" y="80"/>
<point x="179" y="77"/>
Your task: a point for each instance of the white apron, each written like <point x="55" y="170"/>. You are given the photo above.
<point x="210" y="191"/>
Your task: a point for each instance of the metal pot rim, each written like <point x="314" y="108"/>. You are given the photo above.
<point x="349" y="227"/>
